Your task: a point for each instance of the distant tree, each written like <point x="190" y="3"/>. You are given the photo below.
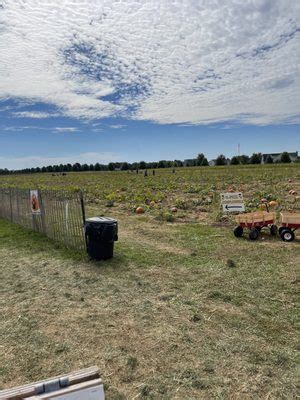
<point x="201" y="160"/>
<point x="269" y="159"/>
<point x="256" y="158"/>
<point x="91" y="167"/>
<point x="142" y="165"/>
<point x="111" y="166"/>
<point x="77" y="167"/>
<point x="221" y="160"/>
<point x="244" y="159"/>
<point x="235" y="160"/>
<point x="162" y="164"/>
<point x="178" y="163"/>
<point x="285" y="157"/>
<point x="97" y="167"/>
<point x="125" y="166"/>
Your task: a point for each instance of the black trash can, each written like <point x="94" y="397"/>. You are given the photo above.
<point x="101" y="233"/>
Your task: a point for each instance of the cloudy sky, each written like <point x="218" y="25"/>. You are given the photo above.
<point x="97" y="80"/>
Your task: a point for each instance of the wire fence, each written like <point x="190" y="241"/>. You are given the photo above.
<point x="57" y="214"/>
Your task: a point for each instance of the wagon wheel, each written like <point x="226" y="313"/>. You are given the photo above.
<point x="238" y="231"/>
<point x="253" y="234"/>
<point x="287" y="235"/>
<point x="281" y="229"/>
<point x="273" y="230"/>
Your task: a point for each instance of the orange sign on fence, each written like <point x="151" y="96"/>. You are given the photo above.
<point x="34" y="201"/>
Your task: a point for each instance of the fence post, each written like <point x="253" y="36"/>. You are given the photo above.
<point x="44" y="226"/>
<point x="10" y="205"/>
<point x="83" y="217"/>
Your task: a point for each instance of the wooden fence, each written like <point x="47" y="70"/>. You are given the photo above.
<point x="56" y="213"/>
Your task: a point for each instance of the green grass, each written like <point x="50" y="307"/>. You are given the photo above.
<point x="183" y="311"/>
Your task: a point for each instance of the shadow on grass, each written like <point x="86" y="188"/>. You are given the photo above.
<point x="15" y="237"/>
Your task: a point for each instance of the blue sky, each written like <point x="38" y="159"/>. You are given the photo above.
<point x="128" y="81"/>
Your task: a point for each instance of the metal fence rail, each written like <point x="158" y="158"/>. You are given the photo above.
<point x="56" y="213"/>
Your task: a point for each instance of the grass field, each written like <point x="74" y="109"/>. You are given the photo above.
<point x="183" y="311"/>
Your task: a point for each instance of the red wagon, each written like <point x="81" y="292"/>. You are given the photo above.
<point x="255" y="221"/>
<point x="289" y="222"/>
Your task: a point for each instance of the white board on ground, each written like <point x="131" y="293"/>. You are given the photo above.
<point x="82" y="391"/>
<point x="232" y="202"/>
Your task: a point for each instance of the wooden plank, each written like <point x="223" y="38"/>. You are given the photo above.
<point x="28" y="390"/>
<point x="80" y="388"/>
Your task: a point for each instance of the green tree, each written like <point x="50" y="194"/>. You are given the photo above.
<point x="178" y="163"/>
<point x="142" y="165"/>
<point x="285" y="157"/>
<point x="244" y="159"/>
<point x="221" y="160"/>
<point x="235" y="160"/>
<point x="162" y="164"/>
<point x="125" y="166"/>
<point x="77" y="167"/>
<point x="111" y="166"/>
<point x="201" y="160"/>
<point x="256" y="158"/>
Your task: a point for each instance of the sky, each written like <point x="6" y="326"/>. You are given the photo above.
<point x="98" y="81"/>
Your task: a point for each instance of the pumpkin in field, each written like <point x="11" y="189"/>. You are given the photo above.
<point x="262" y="206"/>
<point x="230" y="190"/>
<point x="264" y="200"/>
<point x="290" y="180"/>
<point x="139" y="210"/>
<point x="273" y="203"/>
<point x="174" y="209"/>
<point x="152" y="203"/>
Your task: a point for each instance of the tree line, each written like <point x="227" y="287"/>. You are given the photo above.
<point x="199" y="161"/>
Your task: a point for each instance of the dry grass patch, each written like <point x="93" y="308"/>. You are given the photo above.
<point x="159" y="324"/>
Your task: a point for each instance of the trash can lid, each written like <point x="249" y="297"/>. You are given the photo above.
<point x="101" y="220"/>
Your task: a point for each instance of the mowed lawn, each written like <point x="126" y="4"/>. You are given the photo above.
<point x="183" y="311"/>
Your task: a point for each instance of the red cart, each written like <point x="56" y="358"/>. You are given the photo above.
<point x="289" y="222"/>
<point x="255" y="221"/>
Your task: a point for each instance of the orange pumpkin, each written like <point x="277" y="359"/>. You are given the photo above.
<point x="273" y="203"/>
<point x="139" y="210"/>
<point x="174" y="209"/>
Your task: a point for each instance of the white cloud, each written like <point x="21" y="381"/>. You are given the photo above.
<point x="34" y="114"/>
<point x="13" y="163"/>
<point x="170" y="62"/>
<point x="66" y="129"/>
<point x="117" y="126"/>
